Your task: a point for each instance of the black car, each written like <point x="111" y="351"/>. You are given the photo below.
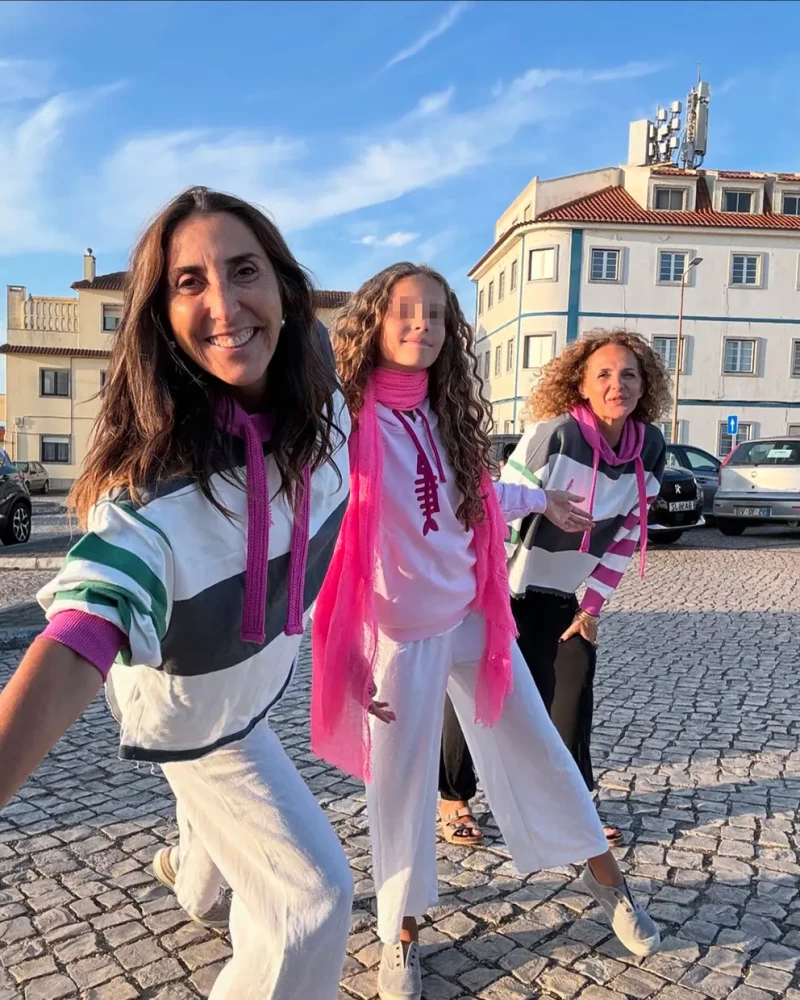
<point x="15" y="504"/>
<point x="677" y="508"/>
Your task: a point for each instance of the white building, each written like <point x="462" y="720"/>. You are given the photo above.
<point x="608" y="248"/>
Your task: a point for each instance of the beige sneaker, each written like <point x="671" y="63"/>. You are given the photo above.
<point x="630" y="921"/>
<point x="400" y="976"/>
<point x="165" y="869"/>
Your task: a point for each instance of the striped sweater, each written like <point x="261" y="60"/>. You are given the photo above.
<point x="555" y="456"/>
<point x="170" y="575"/>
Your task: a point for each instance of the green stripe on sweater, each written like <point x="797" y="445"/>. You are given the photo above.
<point x="525" y="472"/>
<point x="92" y="548"/>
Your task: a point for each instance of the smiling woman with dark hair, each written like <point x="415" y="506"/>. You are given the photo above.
<point x="212" y="497"/>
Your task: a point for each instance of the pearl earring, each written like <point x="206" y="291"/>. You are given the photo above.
<point x="283" y="322"/>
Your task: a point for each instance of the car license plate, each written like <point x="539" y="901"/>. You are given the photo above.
<point x="753" y="511"/>
<point x="682" y="505"/>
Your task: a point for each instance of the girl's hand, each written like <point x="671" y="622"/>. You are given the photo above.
<point x="380" y="709"/>
<point x="584" y="626"/>
<point x="561" y="510"/>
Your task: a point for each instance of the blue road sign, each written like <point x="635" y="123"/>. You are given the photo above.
<point x="733" y="425"/>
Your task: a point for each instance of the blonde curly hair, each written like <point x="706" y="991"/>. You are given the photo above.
<point x="558" y="390"/>
<point x="454" y="389"/>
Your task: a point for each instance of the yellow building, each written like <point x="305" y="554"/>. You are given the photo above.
<point x="57" y="355"/>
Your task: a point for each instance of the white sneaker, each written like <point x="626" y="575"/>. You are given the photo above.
<point x="165" y="869"/>
<point x="400" y="977"/>
<point x="630" y="921"/>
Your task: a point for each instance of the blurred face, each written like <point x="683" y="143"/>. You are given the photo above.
<point x="413" y="330"/>
<point x="612" y="383"/>
<point x="224" y="302"/>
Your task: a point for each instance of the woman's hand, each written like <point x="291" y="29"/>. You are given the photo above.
<point x="584" y="625"/>
<point x="380" y="709"/>
<point x="561" y="510"/>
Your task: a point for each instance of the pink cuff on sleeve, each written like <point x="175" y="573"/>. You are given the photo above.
<point x="93" y="638"/>
<point x="592" y="602"/>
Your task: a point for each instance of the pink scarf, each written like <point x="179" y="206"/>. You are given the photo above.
<point x="345" y="630"/>
<point x="629" y="450"/>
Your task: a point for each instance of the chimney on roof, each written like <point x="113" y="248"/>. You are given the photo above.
<point x="89" y="266"/>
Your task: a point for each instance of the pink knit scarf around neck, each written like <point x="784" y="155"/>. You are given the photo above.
<point x="345" y="628"/>
<point x="628" y="450"/>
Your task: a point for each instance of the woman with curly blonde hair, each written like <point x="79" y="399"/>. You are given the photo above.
<point x="415" y="607"/>
<point x="593" y="432"/>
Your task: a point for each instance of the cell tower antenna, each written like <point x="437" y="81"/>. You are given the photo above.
<point x="695" y="136"/>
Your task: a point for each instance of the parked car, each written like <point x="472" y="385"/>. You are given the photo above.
<point x="34" y="476"/>
<point x="677" y="508"/>
<point x="704" y="466"/>
<point x="759" y="484"/>
<point x="15" y="504"/>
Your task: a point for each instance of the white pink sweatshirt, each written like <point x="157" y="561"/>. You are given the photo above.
<point x="425" y="578"/>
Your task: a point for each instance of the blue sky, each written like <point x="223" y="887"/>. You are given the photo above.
<point x="372" y="131"/>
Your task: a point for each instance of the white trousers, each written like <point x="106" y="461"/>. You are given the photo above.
<point x="247" y="817"/>
<point x="533" y="786"/>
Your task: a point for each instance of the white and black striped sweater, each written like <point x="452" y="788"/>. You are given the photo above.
<point x="555" y="455"/>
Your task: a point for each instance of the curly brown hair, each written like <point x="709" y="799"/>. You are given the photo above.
<point x="455" y="390"/>
<point x="558" y="390"/>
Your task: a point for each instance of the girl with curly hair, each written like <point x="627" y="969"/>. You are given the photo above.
<point x="593" y="431"/>
<point x="415" y="608"/>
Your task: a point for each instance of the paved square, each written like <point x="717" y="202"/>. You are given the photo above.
<point x="696" y="744"/>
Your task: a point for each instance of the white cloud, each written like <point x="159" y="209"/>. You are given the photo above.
<point x="24" y="79"/>
<point x="445" y="23"/>
<point x="299" y="184"/>
<point x="398" y="239"/>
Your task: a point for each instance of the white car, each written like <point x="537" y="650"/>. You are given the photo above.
<point x="759" y="484"/>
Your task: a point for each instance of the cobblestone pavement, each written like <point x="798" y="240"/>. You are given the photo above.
<point x="696" y="741"/>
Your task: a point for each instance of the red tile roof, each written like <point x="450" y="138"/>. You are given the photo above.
<point x="59" y="352"/>
<point x="115" y="282"/>
<point x="614" y="205"/>
<point x="740" y="175"/>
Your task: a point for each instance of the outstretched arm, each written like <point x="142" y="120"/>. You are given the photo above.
<point x="50" y="689"/>
<point x="559" y="506"/>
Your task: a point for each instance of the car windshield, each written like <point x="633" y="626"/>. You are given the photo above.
<point x="767" y="453"/>
<point x="22" y="466"/>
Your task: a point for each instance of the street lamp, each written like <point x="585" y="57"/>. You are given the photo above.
<point x="692" y="264"/>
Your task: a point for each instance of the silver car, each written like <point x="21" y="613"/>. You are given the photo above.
<point x="35" y="476"/>
<point x="759" y="484"/>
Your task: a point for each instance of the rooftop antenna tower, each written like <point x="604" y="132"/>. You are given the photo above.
<point x="669" y="143"/>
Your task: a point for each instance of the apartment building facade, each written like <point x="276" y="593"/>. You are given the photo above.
<point x="611" y="248"/>
<point x="57" y="354"/>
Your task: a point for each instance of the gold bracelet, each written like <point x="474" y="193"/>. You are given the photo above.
<point x="585" y="616"/>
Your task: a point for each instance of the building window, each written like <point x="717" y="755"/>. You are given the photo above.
<point x="480" y="302"/>
<point x="746" y="269"/>
<point x="796" y="359"/>
<point x="514" y="267"/>
<point x="739" y="357"/>
<point x="487" y="360"/>
<point x="667" y="349"/>
<point x="509" y="355"/>
<point x="498" y="360"/>
<point x="666" y="429"/>
<point x="793" y="430"/>
<point x="791" y="204"/>
<point x="501" y="286"/>
<point x="542" y="264"/>
<point x="671" y="265"/>
<point x="538" y="350"/>
<point x="670" y="199"/>
<point x="605" y="265"/>
<point x="112" y="314"/>
<point x="726" y="441"/>
<point x="491" y="294"/>
<point x="508" y="427"/>
<point x="55" y="450"/>
<point x="53" y="382"/>
<point x="737" y="201"/>
<point x="103" y="379"/>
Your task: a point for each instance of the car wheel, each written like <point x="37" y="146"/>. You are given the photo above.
<point x="730" y="527"/>
<point x="17" y="529"/>
<point x="665" y="537"/>
<point x="46" y="487"/>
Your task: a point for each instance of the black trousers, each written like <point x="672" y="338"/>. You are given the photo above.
<point x="564" y="675"/>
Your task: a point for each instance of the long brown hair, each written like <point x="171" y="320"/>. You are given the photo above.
<point x="558" y="391"/>
<point x="454" y="389"/>
<point x="158" y="415"/>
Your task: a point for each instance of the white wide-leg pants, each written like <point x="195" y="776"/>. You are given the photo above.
<point x="534" y="788"/>
<point x="248" y="818"/>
